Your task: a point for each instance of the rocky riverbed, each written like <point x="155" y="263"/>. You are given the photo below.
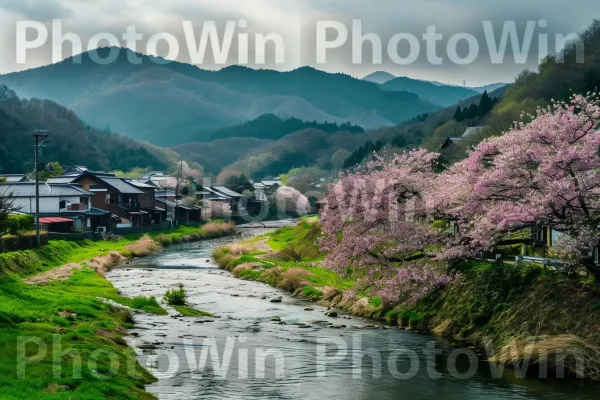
<point x="262" y="343"/>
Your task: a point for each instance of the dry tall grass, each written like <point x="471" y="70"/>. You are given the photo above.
<point x="293" y="279"/>
<point x="239" y="270"/>
<point x="57" y="274"/>
<point x="218" y="229"/>
<point x="101" y="264"/>
<point x="143" y="247"/>
<point x="562" y="354"/>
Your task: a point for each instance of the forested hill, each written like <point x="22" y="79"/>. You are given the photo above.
<point x="269" y="126"/>
<point x="558" y="77"/>
<point x="169" y="104"/>
<point x="71" y="142"/>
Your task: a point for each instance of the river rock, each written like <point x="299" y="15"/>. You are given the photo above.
<point x="276" y="319"/>
<point x="277" y="300"/>
<point x="309" y="309"/>
<point x="331" y="314"/>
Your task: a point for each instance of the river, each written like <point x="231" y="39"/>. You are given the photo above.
<point x="242" y="354"/>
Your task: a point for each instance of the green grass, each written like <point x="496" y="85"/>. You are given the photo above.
<point x="147" y="304"/>
<point x="191" y="312"/>
<point x="311" y="292"/>
<point x="72" y="311"/>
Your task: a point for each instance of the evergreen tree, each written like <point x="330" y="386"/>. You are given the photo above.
<point x="458" y="115"/>
<point x="485" y="105"/>
<point x="472" y="112"/>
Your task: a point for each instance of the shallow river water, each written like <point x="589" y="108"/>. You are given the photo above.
<point x="242" y="354"/>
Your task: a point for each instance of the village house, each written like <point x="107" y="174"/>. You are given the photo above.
<point x="63" y="207"/>
<point x="111" y="194"/>
<point x="147" y="202"/>
<point x="176" y="211"/>
<point x="451" y="145"/>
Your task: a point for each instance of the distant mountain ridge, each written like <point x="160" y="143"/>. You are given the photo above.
<point x="379" y="77"/>
<point x="442" y="95"/>
<point x="169" y="103"/>
<point x="382" y="77"/>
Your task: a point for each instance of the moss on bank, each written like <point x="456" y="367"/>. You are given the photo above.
<point x="503" y="305"/>
<point x="74" y="346"/>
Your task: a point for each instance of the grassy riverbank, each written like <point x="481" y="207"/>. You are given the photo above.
<point x="60" y="323"/>
<point x="520" y="310"/>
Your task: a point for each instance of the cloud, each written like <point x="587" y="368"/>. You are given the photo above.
<point x="38" y="10"/>
<point x="295" y="21"/>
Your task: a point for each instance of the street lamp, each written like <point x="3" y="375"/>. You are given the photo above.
<point x="39" y="136"/>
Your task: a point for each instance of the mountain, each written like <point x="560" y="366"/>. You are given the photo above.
<point x="265" y="157"/>
<point x="479" y="89"/>
<point x="489" y="88"/>
<point x="71" y="142"/>
<point x="379" y="77"/>
<point x="170" y="103"/>
<point x="382" y="77"/>
<point x="442" y="95"/>
<point x="270" y="126"/>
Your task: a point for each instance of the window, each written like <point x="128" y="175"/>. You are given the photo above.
<point x="107" y="198"/>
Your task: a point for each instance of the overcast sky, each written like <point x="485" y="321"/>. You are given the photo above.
<point x="295" y="21"/>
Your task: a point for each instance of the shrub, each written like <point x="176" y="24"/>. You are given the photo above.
<point x="176" y="297"/>
<point x="392" y="317"/>
<point x="15" y="223"/>
<point x="164" y="239"/>
<point x="375" y="301"/>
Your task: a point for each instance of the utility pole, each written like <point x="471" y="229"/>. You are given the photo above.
<point x="39" y="136"/>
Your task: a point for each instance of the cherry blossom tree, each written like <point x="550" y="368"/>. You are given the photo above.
<point x="290" y="202"/>
<point x="216" y="209"/>
<point x="378" y="214"/>
<point x="545" y="172"/>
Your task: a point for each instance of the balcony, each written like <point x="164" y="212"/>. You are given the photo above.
<point x="77" y="207"/>
<point x="130" y="206"/>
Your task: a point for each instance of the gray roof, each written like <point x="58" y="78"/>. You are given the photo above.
<point x="473" y="130"/>
<point x="271" y="182"/>
<point x="13" y="178"/>
<point x="216" y="193"/>
<point x="27" y="189"/>
<point x="172" y="204"/>
<point x="120" y="185"/>
<point x="140" y="185"/>
<point x="224" y="190"/>
<point x="62" y="179"/>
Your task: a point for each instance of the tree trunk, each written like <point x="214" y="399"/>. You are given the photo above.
<point x="592" y="268"/>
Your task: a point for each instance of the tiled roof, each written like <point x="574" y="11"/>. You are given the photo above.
<point x="27" y="189"/>
<point x="12" y="178"/>
<point x="224" y="190"/>
<point x="140" y="185"/>
<point x="121" y="185"/>
<point x="62" y="179"/>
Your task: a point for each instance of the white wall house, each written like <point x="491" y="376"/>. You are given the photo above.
<point x="54" y="199"/>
